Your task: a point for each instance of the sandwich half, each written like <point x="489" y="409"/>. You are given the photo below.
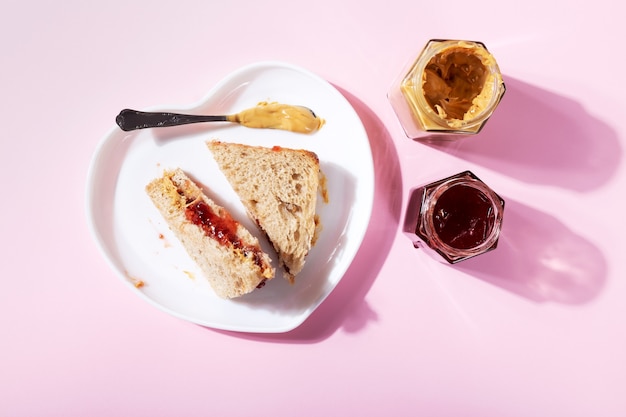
<point x="227" y="253"/>
<point x="278" y="187"/>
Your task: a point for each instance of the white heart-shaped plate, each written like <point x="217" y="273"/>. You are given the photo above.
<point x="141" y="249"/>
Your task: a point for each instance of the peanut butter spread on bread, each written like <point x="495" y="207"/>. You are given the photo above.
<point x="229" y="256"/>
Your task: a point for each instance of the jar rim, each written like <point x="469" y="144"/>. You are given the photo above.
<point x="427" y="218"/>
<point x="414" y="80"/>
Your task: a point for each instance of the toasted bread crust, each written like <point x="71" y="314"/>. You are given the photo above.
<point x="279" y="187"/>
<point x="234" y="265"/>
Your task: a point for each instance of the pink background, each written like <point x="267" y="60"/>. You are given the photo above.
<point x="536" y="328"/>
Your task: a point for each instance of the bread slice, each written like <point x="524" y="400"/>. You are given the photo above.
<point x="278" y="187"/>
<point x="227" y="253"/>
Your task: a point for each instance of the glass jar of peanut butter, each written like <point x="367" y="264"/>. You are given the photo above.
<point x="458" y="217"/>
<point x="453" y="87"/>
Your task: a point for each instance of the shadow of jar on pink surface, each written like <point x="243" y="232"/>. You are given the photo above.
<point x="541" y="259"/>
<point x="537" y="258"/>
<point x="540" y="137"/>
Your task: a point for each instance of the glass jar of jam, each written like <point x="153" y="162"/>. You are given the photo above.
<point x="453" y="87"/>
<point x="459" y="217"/>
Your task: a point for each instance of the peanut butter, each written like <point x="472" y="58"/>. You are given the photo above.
<point x="454" y="86"/>
<point x="453" y="79"/>
<point x="279" y="116"/>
